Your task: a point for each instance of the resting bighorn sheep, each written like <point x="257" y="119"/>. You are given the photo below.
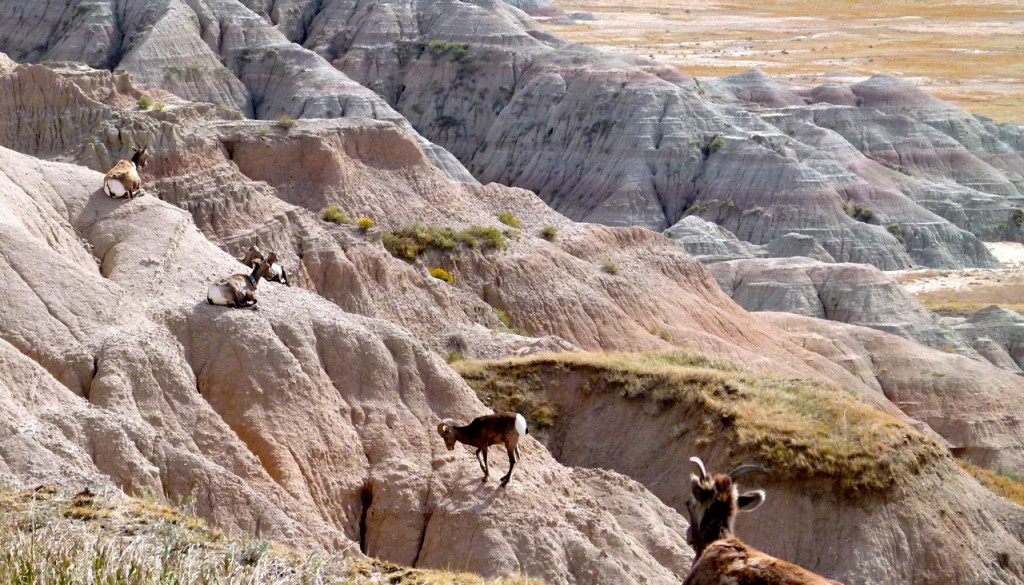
<point x="123" y="180"/>
<point x="491" y="429"/>
<point x="721" y="557"/>
<point x="277" y="273"/>
<point x="239" y="290"/>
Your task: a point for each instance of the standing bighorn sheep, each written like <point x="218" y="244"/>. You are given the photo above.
<point x="492" y="429"/>
<point x="239" y="290"/>
<point x="123" y="180"/>
<point x="277" y="273"/>
<point x="721" y="558"/>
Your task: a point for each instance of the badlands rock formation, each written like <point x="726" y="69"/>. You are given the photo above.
<point x="297" y="421"/>
<point x="515" y="105"/>
<point x="850" y="293"/>
<point x="311" y="419"/>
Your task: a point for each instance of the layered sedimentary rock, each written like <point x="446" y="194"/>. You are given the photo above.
<point x="516" y="105"/>
<point x="848" y="293"/>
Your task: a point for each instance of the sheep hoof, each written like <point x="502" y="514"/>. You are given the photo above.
<point x="484" y="480"/>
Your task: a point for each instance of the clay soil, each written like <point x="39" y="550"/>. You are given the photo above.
<point x="967" y="52"/>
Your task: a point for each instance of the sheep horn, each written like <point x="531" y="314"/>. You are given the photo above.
<point x="442" y="428"/>
<point x="700" y="464"/>
<point x="745" y="469"/>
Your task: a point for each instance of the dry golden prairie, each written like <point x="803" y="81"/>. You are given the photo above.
<point x="967" y="52"/>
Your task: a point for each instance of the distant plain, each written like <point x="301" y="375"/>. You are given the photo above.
<point x="967" y="52"/>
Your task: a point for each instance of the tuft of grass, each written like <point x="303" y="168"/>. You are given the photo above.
<point x="1007" y="484"/>
<point x="364" y="223"/>
<point x="510" y="220"/>
<point x="798" y="428"/>
<point x="159" y="106"/>
<point x="144" y="102"/>
<point x="454" y="356"/>
<point x="50" y="537"/>
<point x="549" y="233"/>
<point x="442" y="274"/>
<point x="334" y="215"/>
<point x="662" y="333"/>
<point x="610" y="267"/>
<point x="286" y="121"/>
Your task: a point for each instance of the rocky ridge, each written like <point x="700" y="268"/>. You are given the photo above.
<point x="512" y="103"/>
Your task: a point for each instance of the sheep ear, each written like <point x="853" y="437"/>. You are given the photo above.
<point x="750" y="500"/>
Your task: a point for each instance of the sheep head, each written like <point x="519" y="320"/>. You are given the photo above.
<point x="448" y="434"/>
<point x="714" y="502"/>
<point x="140" y="158"/>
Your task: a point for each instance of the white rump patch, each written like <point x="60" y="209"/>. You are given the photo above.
<point x="114" y="188"/>
<point x="216" y="295"/>
<point x="520" y="424"/>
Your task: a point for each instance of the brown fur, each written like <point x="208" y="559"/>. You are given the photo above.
<point x="484" y="431"/>
<point x="276" y="273"/>
<point x="721" y="558"/>
<point x="128" y="175"/>
<point x="731" y="561"/>
<point x="240" y="289"/>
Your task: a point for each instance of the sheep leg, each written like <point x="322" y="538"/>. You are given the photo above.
<point x="483" y="465"/>
<point x="511" y="463"/>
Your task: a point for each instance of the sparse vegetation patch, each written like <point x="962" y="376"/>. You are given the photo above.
<point x="144" y="102"/>
<point x="798" y="428"/>
<point x="442" y="274"/>
<point x="334" y="215"/>
<point x="510" y="220"/>
<point x="50" y="537"/>
<point x="409" y="242"/>
<point x="549" y="233"/>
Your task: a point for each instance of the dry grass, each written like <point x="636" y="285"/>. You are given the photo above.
<point x="799" y="428"/>
<point x="962" y="51"/>
<point x="49" y="537"/>
<point x="1009" y="486"/>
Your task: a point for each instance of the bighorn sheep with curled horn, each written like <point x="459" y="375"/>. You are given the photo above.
<point x="491" y="429"/>
<point x="277" y="273"/>
<point x="239" y="290"/>
<point x="123" y="179"/>
<point x="722" y="558"/>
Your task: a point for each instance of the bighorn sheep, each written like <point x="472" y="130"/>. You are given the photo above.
<point x="277" y="273"/>
<point x="720" y="556"/>
<point x="239" y="290"/>
<point x="123" y="180"/>
<point x="492" y="429"/>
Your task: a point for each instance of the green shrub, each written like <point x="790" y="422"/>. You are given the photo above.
<point x="715" y="144"/>
<point x="510" y="220"/>
<point x="489" y="236"/>
<point x="454" y="356"/>
<point x="610" y="268"/>
<point x="504" y="317"/>
<point x="159" y="106"/>
<point x="409" y="241"/>
<point x="549" y="233"/>
<point x="442" y="274"/>
<point x="286" y="121"/>
<point x="364" y="223"/>
<point x="453" y="50"/>
<point x="334" y="215"/>
<point x="859" y="212"/>
<point x="144" y="102"/>
<point x="896" y="230"/>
